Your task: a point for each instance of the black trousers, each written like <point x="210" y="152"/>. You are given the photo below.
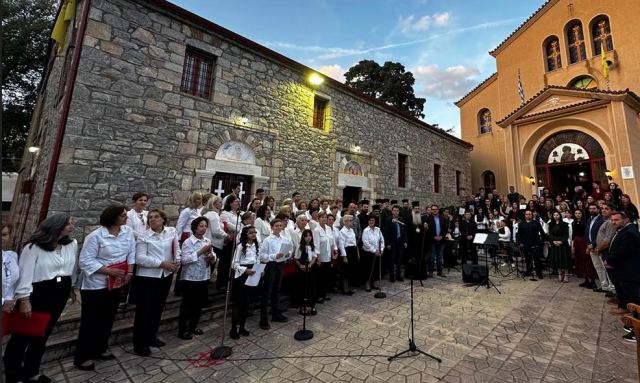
<point x="307" y="285"/>
<point x="194" y="295"/>
<point x="326" y="279"/>
<point x="369" y="265"/>
<point x="23" y="354"/>
<point x="271" y="289"/>
<point x="533" y="254"/>
<point x="630" y="293"/>
<point x="395" y="266"/>
<point x="241" y="296"/>
<point x="151" y="296"/>
<point x="468" y="251"/>
<point x="98" y="312"/>
<point x="351" y="267"/>
<point x="224" y="263"/>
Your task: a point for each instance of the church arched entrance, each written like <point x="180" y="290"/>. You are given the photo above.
<point x="569" y="159"/>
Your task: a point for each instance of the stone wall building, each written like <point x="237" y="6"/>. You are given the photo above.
<point x="167" y="102"/>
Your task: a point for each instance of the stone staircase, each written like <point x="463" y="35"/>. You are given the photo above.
<point x="62" y="342"/>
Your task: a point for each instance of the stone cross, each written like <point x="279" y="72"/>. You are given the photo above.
<point x="219" y="191"/>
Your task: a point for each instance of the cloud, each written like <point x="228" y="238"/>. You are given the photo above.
<point x="334" y="71"/>
<point x="332" y="53"/>
<point x="411" y="24"/>
<point x="448" y="83"/>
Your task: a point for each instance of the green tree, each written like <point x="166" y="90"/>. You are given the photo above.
<point x="390" y="83"/>
<point x="26" y="25"/>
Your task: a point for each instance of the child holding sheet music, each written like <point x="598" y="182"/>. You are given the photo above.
<point x="244" y="259"/>
<point x="306" y="272"/>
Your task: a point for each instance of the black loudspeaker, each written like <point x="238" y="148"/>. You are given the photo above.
<point x="473" y="273"/>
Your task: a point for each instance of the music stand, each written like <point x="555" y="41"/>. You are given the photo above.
<point x="486" y="240"/>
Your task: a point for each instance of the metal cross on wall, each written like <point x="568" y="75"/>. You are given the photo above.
<point x="219" y="191"/>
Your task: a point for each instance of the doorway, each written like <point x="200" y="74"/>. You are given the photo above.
<point x="221" y="186"/>
<point x="351" y="194"/>
<point x="567" y="177"/>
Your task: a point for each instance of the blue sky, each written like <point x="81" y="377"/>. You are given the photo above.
<point x="444" y="43"/>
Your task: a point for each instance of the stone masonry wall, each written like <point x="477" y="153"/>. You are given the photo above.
<point x="131" y="129"/>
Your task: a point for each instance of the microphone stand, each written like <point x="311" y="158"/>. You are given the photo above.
<point x="304" y="333"/>
<point x="380" y="294"/>
<point x="223" y="351"/>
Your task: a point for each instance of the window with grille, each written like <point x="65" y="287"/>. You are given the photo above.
<point x="197" y="73"/>
<point x="436" y="178"/>
<point x="319" y="108"/>
<point x="402" y="170"/>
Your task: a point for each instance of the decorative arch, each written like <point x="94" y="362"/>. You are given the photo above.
<point x="551" y="49"/>
<point x="575" y="41"/>
<point x="600" y="29"/>
<point x="583" y="82"/>
<point x="568" y="146"/>
<point x="484" y="121"/>
<point x="236" y="151"/>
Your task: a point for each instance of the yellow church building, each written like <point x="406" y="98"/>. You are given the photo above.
<point x="557" y="113"/>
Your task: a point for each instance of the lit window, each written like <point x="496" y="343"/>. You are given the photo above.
<point x="197" y="74"/>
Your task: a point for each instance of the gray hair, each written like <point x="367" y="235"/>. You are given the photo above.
<point x="47" y="236"/>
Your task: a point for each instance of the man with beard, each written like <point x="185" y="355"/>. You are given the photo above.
<point x="593" y="226"/>
<point x="417" y="246"/>
<point x="363" y="216"/>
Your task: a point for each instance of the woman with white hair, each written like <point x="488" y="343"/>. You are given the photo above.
<point x="349" y="253"/>
<point x="215" y="232"/>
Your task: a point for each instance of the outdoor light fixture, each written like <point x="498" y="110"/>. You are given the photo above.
<point x="315" y="79"/>
<point x="581" y="174"/>
<point x="34" y="149"/>
<point x="532" y="180"/>
<point x="609" y="174"/>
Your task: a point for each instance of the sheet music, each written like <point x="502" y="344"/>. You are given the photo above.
<point x="254" y="279"/>
<point x="480" y="238"/>
<point x="286" y="248"/>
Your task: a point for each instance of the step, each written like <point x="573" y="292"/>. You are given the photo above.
<point x="62" y="342"/>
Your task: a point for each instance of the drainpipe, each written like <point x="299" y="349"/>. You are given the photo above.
<point x="62" y="122"/>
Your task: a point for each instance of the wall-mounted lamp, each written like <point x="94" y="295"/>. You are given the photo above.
<point x="532" y="180"/>
<point x="34" y="149"/>
<point x="582" y="174"/>
<point x="609" y="174"/>
<point x="315" y="79"/>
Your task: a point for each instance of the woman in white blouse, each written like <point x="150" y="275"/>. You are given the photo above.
<point x="349" y="253"/>
<point x="47" y="265"/>
<point x="187" y="215"/>
<point x="157" y="258"/>
<point x="243" y="260"/>
<point x="137" y="216"/>
<point x="215" y="232"/>
<point x="106" y="261"/>
<point x="197" y="257"/>
<point x="231" y="223"/>
<point x="263" y="216"/>
<point x="10" y="272"/>
<point x="325" y="248"/>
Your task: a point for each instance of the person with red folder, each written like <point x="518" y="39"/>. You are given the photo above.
<point x="106" y="261"/>
<point x="47" y="267"/>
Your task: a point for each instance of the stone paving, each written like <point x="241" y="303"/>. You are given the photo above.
<point x="542" y="331"/>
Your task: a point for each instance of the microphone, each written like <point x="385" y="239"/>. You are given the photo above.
<point x="397" y="221"/>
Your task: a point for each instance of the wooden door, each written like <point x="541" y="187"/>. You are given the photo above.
<point x="221" y="186"/>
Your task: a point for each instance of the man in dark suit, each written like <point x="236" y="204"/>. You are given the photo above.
<point x="591" y="234"/>
<point x="529" y="238"/>
<point x="624" y="260"/>
<point x="438" y="227"/>
<point x="395" y="238"/>
<point x="468" y="230"/>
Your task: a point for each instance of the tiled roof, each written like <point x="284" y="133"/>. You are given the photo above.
<point x="561" y="108"/>
<point x="548" y="87"/>
<point x="476" y="88"/>
<point x="521" y="26"/>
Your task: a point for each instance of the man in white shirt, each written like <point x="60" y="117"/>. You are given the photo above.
<point x="275" y="250"/>
<point x="295" y="197"/>
<point x="372" y="246"/>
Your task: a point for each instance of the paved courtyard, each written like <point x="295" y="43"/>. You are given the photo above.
<point x="541" y="331"/>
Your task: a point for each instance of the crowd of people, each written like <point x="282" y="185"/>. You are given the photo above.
<point x="322" y="246"/>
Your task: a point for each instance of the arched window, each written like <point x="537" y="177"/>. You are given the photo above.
<point x="583" y="82"/>
<point x="552" y="53"/>
<point x="575" y="38"/>
<point x="489" y="180"/>
<point x="600" y="29"/>
<point x="484" y="121"/>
